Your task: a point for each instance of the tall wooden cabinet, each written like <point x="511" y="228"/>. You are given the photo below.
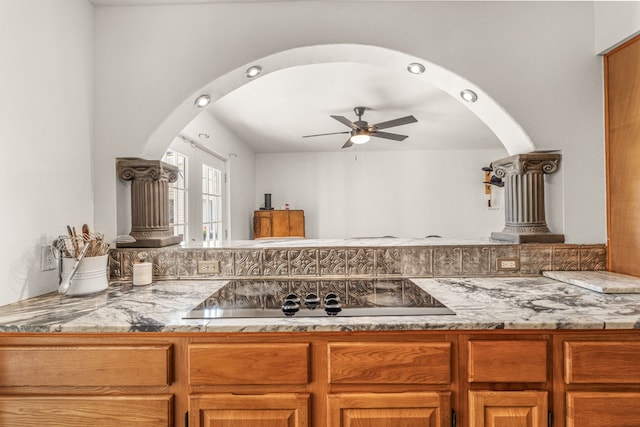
<point x="622" y="123"/>
<point x="278" y="223"/>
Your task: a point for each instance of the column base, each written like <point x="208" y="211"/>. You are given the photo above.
<point x="515" y="237"/>
<point x="152" y="242"/>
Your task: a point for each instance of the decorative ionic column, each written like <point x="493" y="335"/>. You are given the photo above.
<point x="149" y="201"/>
<point x="523" y="176"/>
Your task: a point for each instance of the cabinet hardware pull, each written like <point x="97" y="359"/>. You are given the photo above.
<point x="550" y="419"/>
<point x="186" y="419"/>
<point x="453" y="418"/>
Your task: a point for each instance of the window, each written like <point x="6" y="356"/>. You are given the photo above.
<point x="178" y="194"/>
<point x="197" y="202"/>
<point x="211" y="204"/>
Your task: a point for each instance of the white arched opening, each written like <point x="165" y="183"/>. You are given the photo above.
<point x="506" y="129"/>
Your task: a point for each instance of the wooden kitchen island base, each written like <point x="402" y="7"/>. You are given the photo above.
<point x="384" y="378"/>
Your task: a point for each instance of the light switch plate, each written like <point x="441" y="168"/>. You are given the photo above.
<point x="208" y="267"/>
<point x="508" y="264"/>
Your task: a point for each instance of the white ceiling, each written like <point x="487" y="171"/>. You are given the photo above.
<point x="272" y="112"/>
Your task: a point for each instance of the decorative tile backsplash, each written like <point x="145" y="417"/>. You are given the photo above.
<point x="401" y="261"/>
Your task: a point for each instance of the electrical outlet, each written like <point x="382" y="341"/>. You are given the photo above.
<point x="47" y="259"/>
<point x="208" y="267"/>
<point x="508" y="264"/>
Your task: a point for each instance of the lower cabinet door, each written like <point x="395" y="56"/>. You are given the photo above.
<point x="508" y="409"/>
<point x="415" y="409"/>
<point x="265" y="410"/>
<point x="603" y="409"/>
<point x="82" y="411"/>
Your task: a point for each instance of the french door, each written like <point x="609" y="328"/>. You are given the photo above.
<point x="198" y="200"/>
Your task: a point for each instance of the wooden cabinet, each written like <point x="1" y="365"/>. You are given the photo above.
<point x="278" y="223"/>
<point x="76" y="384"/>
<point x="265" y="410"/>
<point x="390" y="363"/>
<point x="417" y="409"/>
<point x="601" y="381"/>
<point x="508" y="408"/>
<point x="82" y="411"/>
<point x="508" y="381"/>
<point x="320" y="379"/>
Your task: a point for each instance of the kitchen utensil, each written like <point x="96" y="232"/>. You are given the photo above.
<point x="66" y="280"/>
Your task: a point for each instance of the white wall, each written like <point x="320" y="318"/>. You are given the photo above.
<point x="536" y="59"/>
<point x="46" y="99"/>
<point x="615" y="21"/>
<point x="379" y="193"/>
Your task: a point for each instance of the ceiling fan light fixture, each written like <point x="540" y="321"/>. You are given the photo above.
<point x="415" y="68"/>
<point x="468" y="95"/>
<point x="253" y="71"/>
<point x="202" y="101"/>
<point x="360" y="136"/>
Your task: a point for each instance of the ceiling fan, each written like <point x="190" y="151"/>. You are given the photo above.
<point x="362" y="131"/>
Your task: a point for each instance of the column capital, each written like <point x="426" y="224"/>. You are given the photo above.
<point x="519" y="164"/>
<point x="131" y="168"/>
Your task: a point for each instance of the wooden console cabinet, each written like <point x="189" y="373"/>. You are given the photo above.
<point x="278" y="223"/>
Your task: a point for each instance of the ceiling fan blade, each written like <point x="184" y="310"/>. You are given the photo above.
<point x="396" y="122"/>
<point x="323" y="134"/>
<point x="345" y="121"/>
<point x="387" y="135"/>
<point x="348" y="143"/>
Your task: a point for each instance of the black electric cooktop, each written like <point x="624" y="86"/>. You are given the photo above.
<point x="318" y="298"/>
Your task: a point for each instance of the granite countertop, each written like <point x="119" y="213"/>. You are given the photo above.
<point x="294" y="242"/>
<point x="479" y="303"/>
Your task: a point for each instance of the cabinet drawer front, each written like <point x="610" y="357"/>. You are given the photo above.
<point x="248" y="364"/>
<point x="519" y="361"/>
<point x="81" y="411"/>
<point x="602" y="409"/>
<point x="143" y="365"/>
<point x="390" y="363"/>
<point x="602" y="362"/>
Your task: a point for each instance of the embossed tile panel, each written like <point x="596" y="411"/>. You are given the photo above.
<point x="332" y="262"/>
<point x="360" y="262"/>
<point x="447" y="261"/>
<point x="388" y="261"/>
<point x="303" y="262"/>
<point x="400" y="261"/>
<point x="417" y="262"/>
<point x="275" y="262"/>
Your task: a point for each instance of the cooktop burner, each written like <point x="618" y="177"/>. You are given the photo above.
<point x="318" y="298"/>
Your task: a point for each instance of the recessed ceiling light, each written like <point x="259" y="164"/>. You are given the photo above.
<point x="469" y="95"/>
<point x="202" y="101"/>
<point x="253" y="71"/>
<point x="415" y="68"/>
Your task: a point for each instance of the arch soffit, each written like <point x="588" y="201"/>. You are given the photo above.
<point x="507" y="130"/>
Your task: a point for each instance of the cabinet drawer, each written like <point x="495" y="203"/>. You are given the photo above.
<point x="99" y="411"/>
<point x="248" y="364"/>
<point x="143" y="365"/>
<point x="390" y="363"/>
<point x="518" y="361"/>
<point x="603" y="409"/>
<point x="611" y="362"/>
